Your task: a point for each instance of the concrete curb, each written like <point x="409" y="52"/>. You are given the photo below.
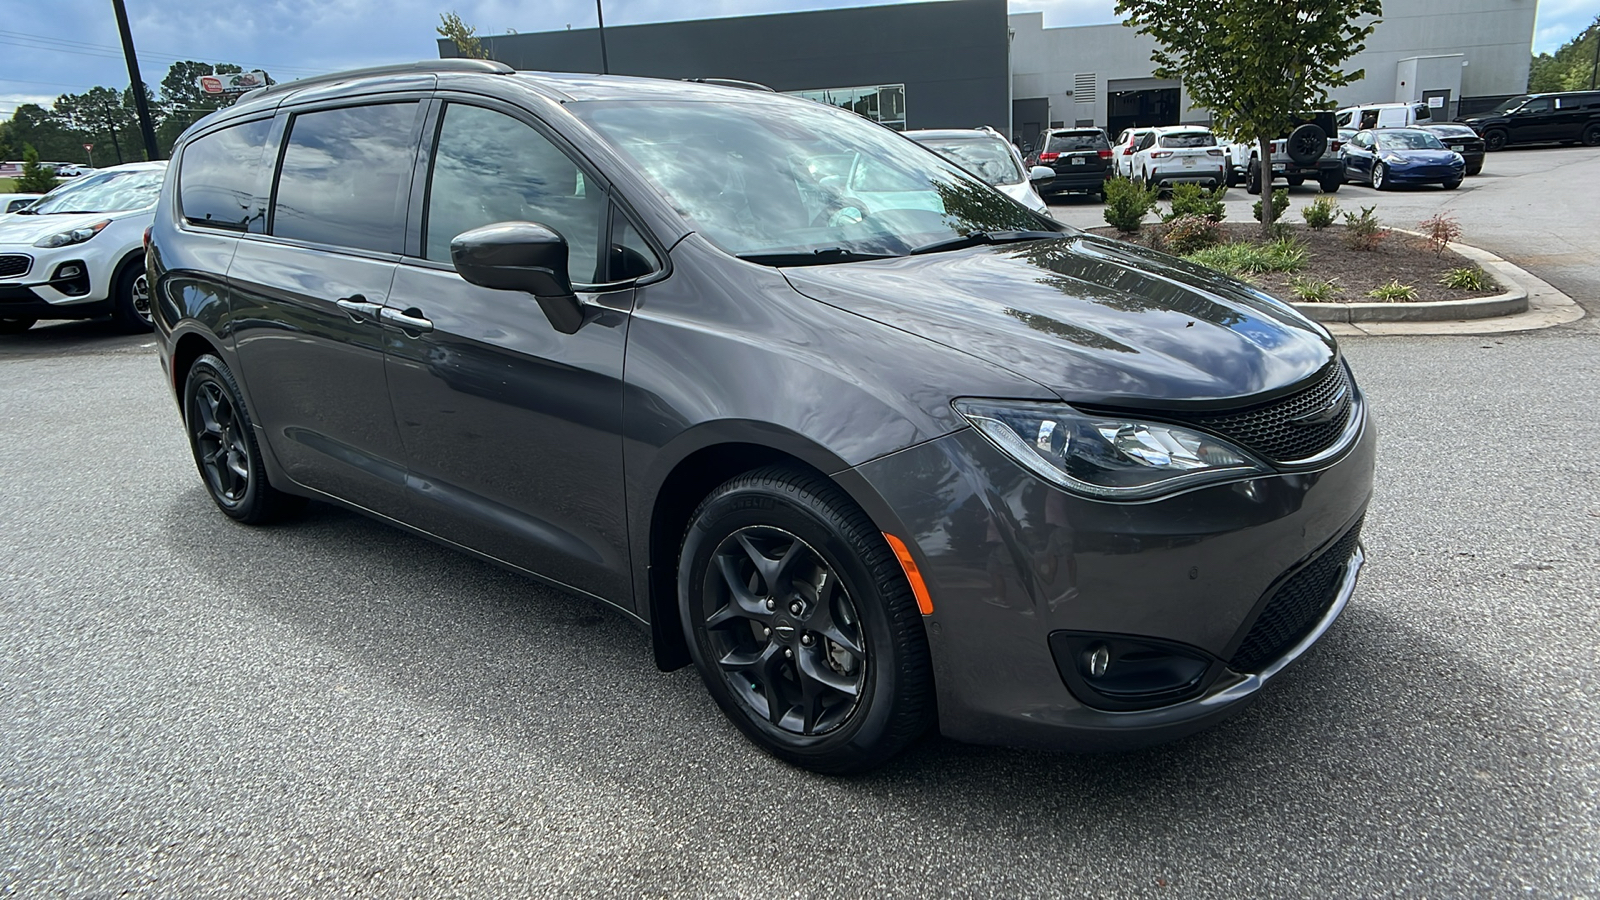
<point x="1530" y="303"/>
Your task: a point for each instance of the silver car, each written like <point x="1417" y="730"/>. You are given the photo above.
<point x="988" y="155"/>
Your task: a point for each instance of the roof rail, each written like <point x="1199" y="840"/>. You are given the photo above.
<point x="733" y="83"/>
<point x="485" y="66"/>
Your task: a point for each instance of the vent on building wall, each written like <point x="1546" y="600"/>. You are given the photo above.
<point x="1083" y="87"/>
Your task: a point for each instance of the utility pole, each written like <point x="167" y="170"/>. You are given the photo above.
<point x="1594" y="70"/>
<point x="111" y="126"/>
<point x="146" y="127"/>
<point x="605" y="65"/>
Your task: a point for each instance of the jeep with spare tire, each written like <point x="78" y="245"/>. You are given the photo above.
<point x="1307" y="151"/>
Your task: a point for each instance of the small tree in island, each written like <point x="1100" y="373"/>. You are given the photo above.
<point x="1255" y="63"/>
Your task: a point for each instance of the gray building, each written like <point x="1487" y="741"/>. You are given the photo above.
<point x="918" y="65"/>
<point x="1477" y="51"/>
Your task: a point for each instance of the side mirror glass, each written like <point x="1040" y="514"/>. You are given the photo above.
<point x="521" y="256"/>
<point x="1039" y="175"/>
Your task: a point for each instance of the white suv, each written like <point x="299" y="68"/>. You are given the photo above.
<point x="78" y="252"/>
<point x="1179" y="154"/>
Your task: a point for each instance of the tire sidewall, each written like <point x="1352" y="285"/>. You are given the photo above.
<point x="123" y="310"/>
<point x="742" y="505"/>
<point x="1495" y="140"/>
<point x="209" y="368"/>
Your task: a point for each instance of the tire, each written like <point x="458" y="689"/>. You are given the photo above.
<point x="1295" y="180"/>
<point x="859" y="643"/>
<point x="1495" y="139"/>
<point x="15" y="326"/>
<point x="1330" y="183"/>
<point x="130" y="299"/>
<point x="1591" y="135"/>
<point x="225" y="449"/>
<point x="1233" y="178"/>
<point x="1252" y="178"/>
<point x="1380" y="177"/>
<point x="1474" y="169"/>
<point x="1306" y="144"/>
<point x="1451" y="185"/>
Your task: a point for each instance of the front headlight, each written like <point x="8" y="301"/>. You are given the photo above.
<point x="72" y="236"/>
<point x="1106" y="457"/>
<point x="1392" y="159"/>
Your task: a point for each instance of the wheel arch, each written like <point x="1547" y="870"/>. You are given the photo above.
<point x="131" y="258"/>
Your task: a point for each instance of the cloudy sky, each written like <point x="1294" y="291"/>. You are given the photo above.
<point x="66" y="46"/>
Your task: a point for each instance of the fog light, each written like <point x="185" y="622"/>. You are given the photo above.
<point x="69" y="272"/>
<point x="1124" y="672"/>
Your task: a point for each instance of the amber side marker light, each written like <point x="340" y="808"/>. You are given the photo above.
<point x="913" y="574"/>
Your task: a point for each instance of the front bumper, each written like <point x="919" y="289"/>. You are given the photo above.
<point x="1425" y="174"/>
<point x="1011" y="560"/>
<point x="43" y="291"/>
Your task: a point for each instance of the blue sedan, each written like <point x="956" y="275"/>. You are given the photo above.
<point x="1384" y="157"/>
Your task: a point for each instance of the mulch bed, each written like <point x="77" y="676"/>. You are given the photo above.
<point x="1400" y="257"/>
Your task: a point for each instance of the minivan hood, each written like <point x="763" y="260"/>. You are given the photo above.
<point x="1097" y="321"/>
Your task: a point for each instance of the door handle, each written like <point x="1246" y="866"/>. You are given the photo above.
<point x="358" y="307"/>
<point x="405" y="319"/>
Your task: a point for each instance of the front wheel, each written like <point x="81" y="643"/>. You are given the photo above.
<point x="15" y="326"/>
<point x="225" y="448"/>
<point x="131" y="299"/>
<point x="1451" y="185"/>
<point x="1494" y="140"/>
<point x="1380" y="177"/>
<point x="802" y="624"/>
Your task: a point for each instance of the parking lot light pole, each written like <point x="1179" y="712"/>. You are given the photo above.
<point x="600" y="13"/>
<point x="139" y="103"/>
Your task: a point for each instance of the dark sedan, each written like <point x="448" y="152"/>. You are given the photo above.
<point x="871" y="445"/>
<point x="1462" y="140"/>
<point x="1385" y="157"/>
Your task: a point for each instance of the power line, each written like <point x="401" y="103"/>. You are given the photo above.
<point x="84" y="48"/>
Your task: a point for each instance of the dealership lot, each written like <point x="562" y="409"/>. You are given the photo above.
<point x="333" y="707"/>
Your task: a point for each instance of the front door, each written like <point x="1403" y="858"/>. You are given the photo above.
<point x="306" y="299"/>
<point x="512" y="430"/>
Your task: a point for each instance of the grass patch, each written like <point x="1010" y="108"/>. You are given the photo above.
<point x="1314" y="290"/>
<point x="8" y="185"/>
<point x="1245" y="258"/>
<point x="1467" y="278"/>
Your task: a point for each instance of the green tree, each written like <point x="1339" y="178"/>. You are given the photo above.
<point x="464" y="36"/>
<point x="36" y="179"/>
<point x="1255" y="63"/>
<point x="1571" y="68"/>
<point x="34" y="125"/>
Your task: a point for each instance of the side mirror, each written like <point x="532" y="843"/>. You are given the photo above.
<point x="1040" y="175"/>
<point x="521" y="256"/>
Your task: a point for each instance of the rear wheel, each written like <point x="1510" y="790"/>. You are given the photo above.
<point x="130" y="307"/>
<point x="225" y="448"/>
<point x="1591" y="135"/>
<point x="1252" y="178"/>
<point x="1330" y="182"/>
<point x="1494" y="140"/>
<point x="802" y="623"/>
<point x="1295" y="180"/>
<point x="15" y="326"/>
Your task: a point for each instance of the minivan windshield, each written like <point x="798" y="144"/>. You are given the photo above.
<point x="102" y="192"/>
<point x="988" y="158"/>
<point x="790" y="181"/>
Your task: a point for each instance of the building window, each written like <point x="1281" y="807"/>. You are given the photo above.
<point x="885" y="103"/>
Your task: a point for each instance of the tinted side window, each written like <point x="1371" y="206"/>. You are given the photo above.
<point x="489" y="167"/>
<point x="344" y="176"/>
<point x="1539" y="105"/>
<point x="217" y="178"/>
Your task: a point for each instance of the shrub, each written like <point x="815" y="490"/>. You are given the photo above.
<point x="1194" y="200"/>
<point x="1244" y="258"/>
<point x="1364" y="231"/>
<point x="1467" y="278"/>
<point x="1394" y="290"/>
<point x="1320" y="213"/>
<point x="36" y="179"/>
<point x="1128" y="203"/>
<point x="1439" y="230"/>
<point x="1314" y="290"/>
<point x="1186" y="234"/>
<point x="1280" y="205"/>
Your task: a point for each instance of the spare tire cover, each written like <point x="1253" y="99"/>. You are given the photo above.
<point x="1306" y="144"/>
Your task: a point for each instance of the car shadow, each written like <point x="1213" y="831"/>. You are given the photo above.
<point x="1384" y="742"/>
<point x="54" y="338"/>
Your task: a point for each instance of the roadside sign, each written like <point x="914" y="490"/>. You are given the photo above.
<point x="89" y="147"/>
<point x="236" y="83"/>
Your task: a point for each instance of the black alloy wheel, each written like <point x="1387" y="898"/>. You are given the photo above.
<point x="131" y="299"/>
<point x="1591" y="135"/>
<point x="1494" y="140"/>
<point x="15" y="326"/>
<point x="802" y="623"/>
<point x="224" y="446"/>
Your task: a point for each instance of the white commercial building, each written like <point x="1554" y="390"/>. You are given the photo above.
<point x="1422" y="49"/>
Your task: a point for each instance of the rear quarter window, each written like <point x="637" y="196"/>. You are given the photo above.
<point x="219" y="177"/>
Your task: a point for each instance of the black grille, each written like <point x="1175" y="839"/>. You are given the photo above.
<point x="12" y="265"/>
<point x="1296" y="607"/>
<point x="1269" y="428"/>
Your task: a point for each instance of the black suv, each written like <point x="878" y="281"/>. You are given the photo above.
<point x="866" y="441"/>
<point x="1540" y="118"/>
<point x="1081" y="158"/>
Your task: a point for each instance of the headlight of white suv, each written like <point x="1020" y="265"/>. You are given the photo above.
<point x="1106" y="457"/>
<point x="72" y="236"/>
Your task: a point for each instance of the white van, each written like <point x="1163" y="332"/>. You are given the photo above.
<point x="1383" y="115"/>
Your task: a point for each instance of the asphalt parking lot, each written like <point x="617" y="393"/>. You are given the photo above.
<point x="333" y="708"/>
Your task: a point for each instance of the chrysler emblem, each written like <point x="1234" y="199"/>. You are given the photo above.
<point x="1327" y="412"/>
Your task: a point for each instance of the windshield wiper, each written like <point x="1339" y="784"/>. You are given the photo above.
<point x="975" y="238"/>
<point x="819" y="257"/>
